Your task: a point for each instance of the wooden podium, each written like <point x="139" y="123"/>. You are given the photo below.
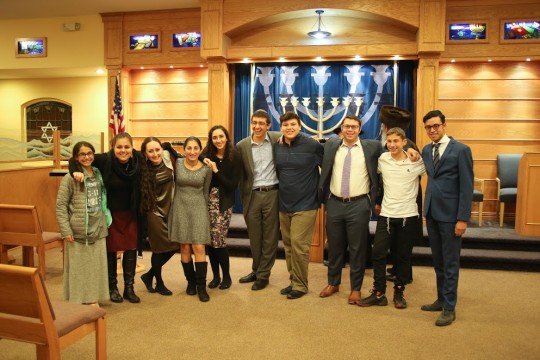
<point x="316" y="252"/>
<point x="528" y="195"/>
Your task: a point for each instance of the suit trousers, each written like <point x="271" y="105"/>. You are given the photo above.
<point x="297" y="232"/>
<point x="262" y="222"/>
<point x="347" y="224"/>
<point x="445" y="250"/>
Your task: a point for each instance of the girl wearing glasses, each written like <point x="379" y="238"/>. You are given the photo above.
<point x="83" y="217"/>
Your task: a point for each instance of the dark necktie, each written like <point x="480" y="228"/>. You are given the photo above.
<point x="436" y="157"/>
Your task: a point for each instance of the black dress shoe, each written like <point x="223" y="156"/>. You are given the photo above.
<point x="295" y="294"/>
<point x="286" y="290"/>
<point x="251" y="277"/>
<point x="259" y="284"/>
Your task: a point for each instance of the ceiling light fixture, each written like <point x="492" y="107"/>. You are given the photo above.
<point x="319" y="34"/>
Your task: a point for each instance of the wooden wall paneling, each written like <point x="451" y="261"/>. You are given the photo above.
<point x="495" y="130"/>
<point x="495" y="70"/>
<point x="495" y="89"/>
<point x="426" y="100"/>
<point x="219" y="93"/>
<point x="528" y="197"/>
<point x="169" y="110"/>
<point x="112" y="26"/>
<point x="431" y="31"/>
<point x="236" y="14"/>
<point x="169" y="92"/>
<point x="490" y="109"/>
<point x="169" y="76"/>
<point x="170" y="128"/>
<point x="489" y="149"/>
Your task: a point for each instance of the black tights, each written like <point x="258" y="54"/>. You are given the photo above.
<point x="158" y="260"/>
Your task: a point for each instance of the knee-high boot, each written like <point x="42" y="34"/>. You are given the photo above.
<point x="189" y="272"/>
<point x="201" y="267"/>
<point x="114" y="294"/>
<point x="160" y="285"/>
<point x="214" y="264"/>
<point x="223" y="259"/>
<point x="129" y="263"/>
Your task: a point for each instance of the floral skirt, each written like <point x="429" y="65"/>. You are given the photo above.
<point x="219" y="221"/>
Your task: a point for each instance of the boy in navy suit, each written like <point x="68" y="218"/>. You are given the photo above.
<point x="447" y="208"/>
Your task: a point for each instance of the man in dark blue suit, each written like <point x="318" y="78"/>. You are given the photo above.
<point x="447" y="208"/>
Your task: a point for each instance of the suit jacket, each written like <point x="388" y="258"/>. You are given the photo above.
<point x="372" y="151"/>
<point x="450" y="187"/>
<point x="247" y="168"/>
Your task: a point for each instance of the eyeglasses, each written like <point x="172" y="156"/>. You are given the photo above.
<point x="260" y="123"/>
<point x="88" y="154"/>
<point x="433" y="127"/>
<point x="351" y="127"/>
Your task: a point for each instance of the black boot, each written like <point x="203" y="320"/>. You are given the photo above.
<point x="148" y="278"/>
<point x="162" y="259"/>
<point x="114" y="294"/>
<point x="201" y="267"/>
<point x="223" y="259"/>
<point x="214" y="263"/>
<point x="189" y="272"/>
<point x="129" y="263"/>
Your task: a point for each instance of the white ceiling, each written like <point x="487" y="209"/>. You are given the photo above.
<point x="25" y="9"/>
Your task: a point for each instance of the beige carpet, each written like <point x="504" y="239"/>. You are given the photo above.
<point x="497" y="318"/>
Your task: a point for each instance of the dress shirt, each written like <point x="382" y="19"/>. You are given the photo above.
<point x="359" y="184"/>
<point x="444" y="143"/>
<point x="264" y="172"/>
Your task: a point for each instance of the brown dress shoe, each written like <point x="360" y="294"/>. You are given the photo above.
<point x="329" y="290"/>
<point x="354" y="297"/>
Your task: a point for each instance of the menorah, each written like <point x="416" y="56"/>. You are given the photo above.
<point x="319" y="116"/>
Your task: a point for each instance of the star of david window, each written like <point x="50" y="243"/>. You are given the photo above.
<point x="43" y="117"/>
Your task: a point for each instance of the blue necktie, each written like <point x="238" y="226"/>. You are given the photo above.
<point x="436" y="155"/>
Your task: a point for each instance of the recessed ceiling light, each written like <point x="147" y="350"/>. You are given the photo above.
<point x="318" y="58"/>
<point x="142" y="67"/>
<point x="453" y="60"/>
<point x="100" y="71"/>
<point x="171" y="66"/>
<point x="201" y="65"/>
<point x="489" y="60"/>
<point x="281" y="59"/>
<point x="528" y="59"/>
<point x="357" y="57"/>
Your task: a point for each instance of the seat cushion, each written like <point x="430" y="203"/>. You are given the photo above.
<point x="477" y="196"/>
<point x="51" y="236"/>
<point x="70" y="316"/>
<point x="508" y="195"/>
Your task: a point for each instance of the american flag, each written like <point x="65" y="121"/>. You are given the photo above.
<point x="116" y="122"/>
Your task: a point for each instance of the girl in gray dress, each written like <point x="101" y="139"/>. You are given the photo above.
<point x="83" y="217"/>
<point x="189" y="222"/>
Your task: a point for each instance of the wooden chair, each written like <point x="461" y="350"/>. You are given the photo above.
<point x="507" y="180"/>
<point x="19" y="226"/>
<point x="26" y="314"/>
<point x="478" y="196"/>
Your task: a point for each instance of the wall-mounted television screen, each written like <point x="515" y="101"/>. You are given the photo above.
<point x="187" y="39"/>
<point x="467" y="31"/>
<point x="521" y="30"/>
<point x="144" y="42"/>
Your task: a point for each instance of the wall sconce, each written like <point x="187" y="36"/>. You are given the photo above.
<point x="319" y="34"/>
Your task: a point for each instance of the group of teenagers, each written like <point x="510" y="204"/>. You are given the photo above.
<point x="185" y="202"/>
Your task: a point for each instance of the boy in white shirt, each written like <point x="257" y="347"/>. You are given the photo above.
<point x="397" y="225"/>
